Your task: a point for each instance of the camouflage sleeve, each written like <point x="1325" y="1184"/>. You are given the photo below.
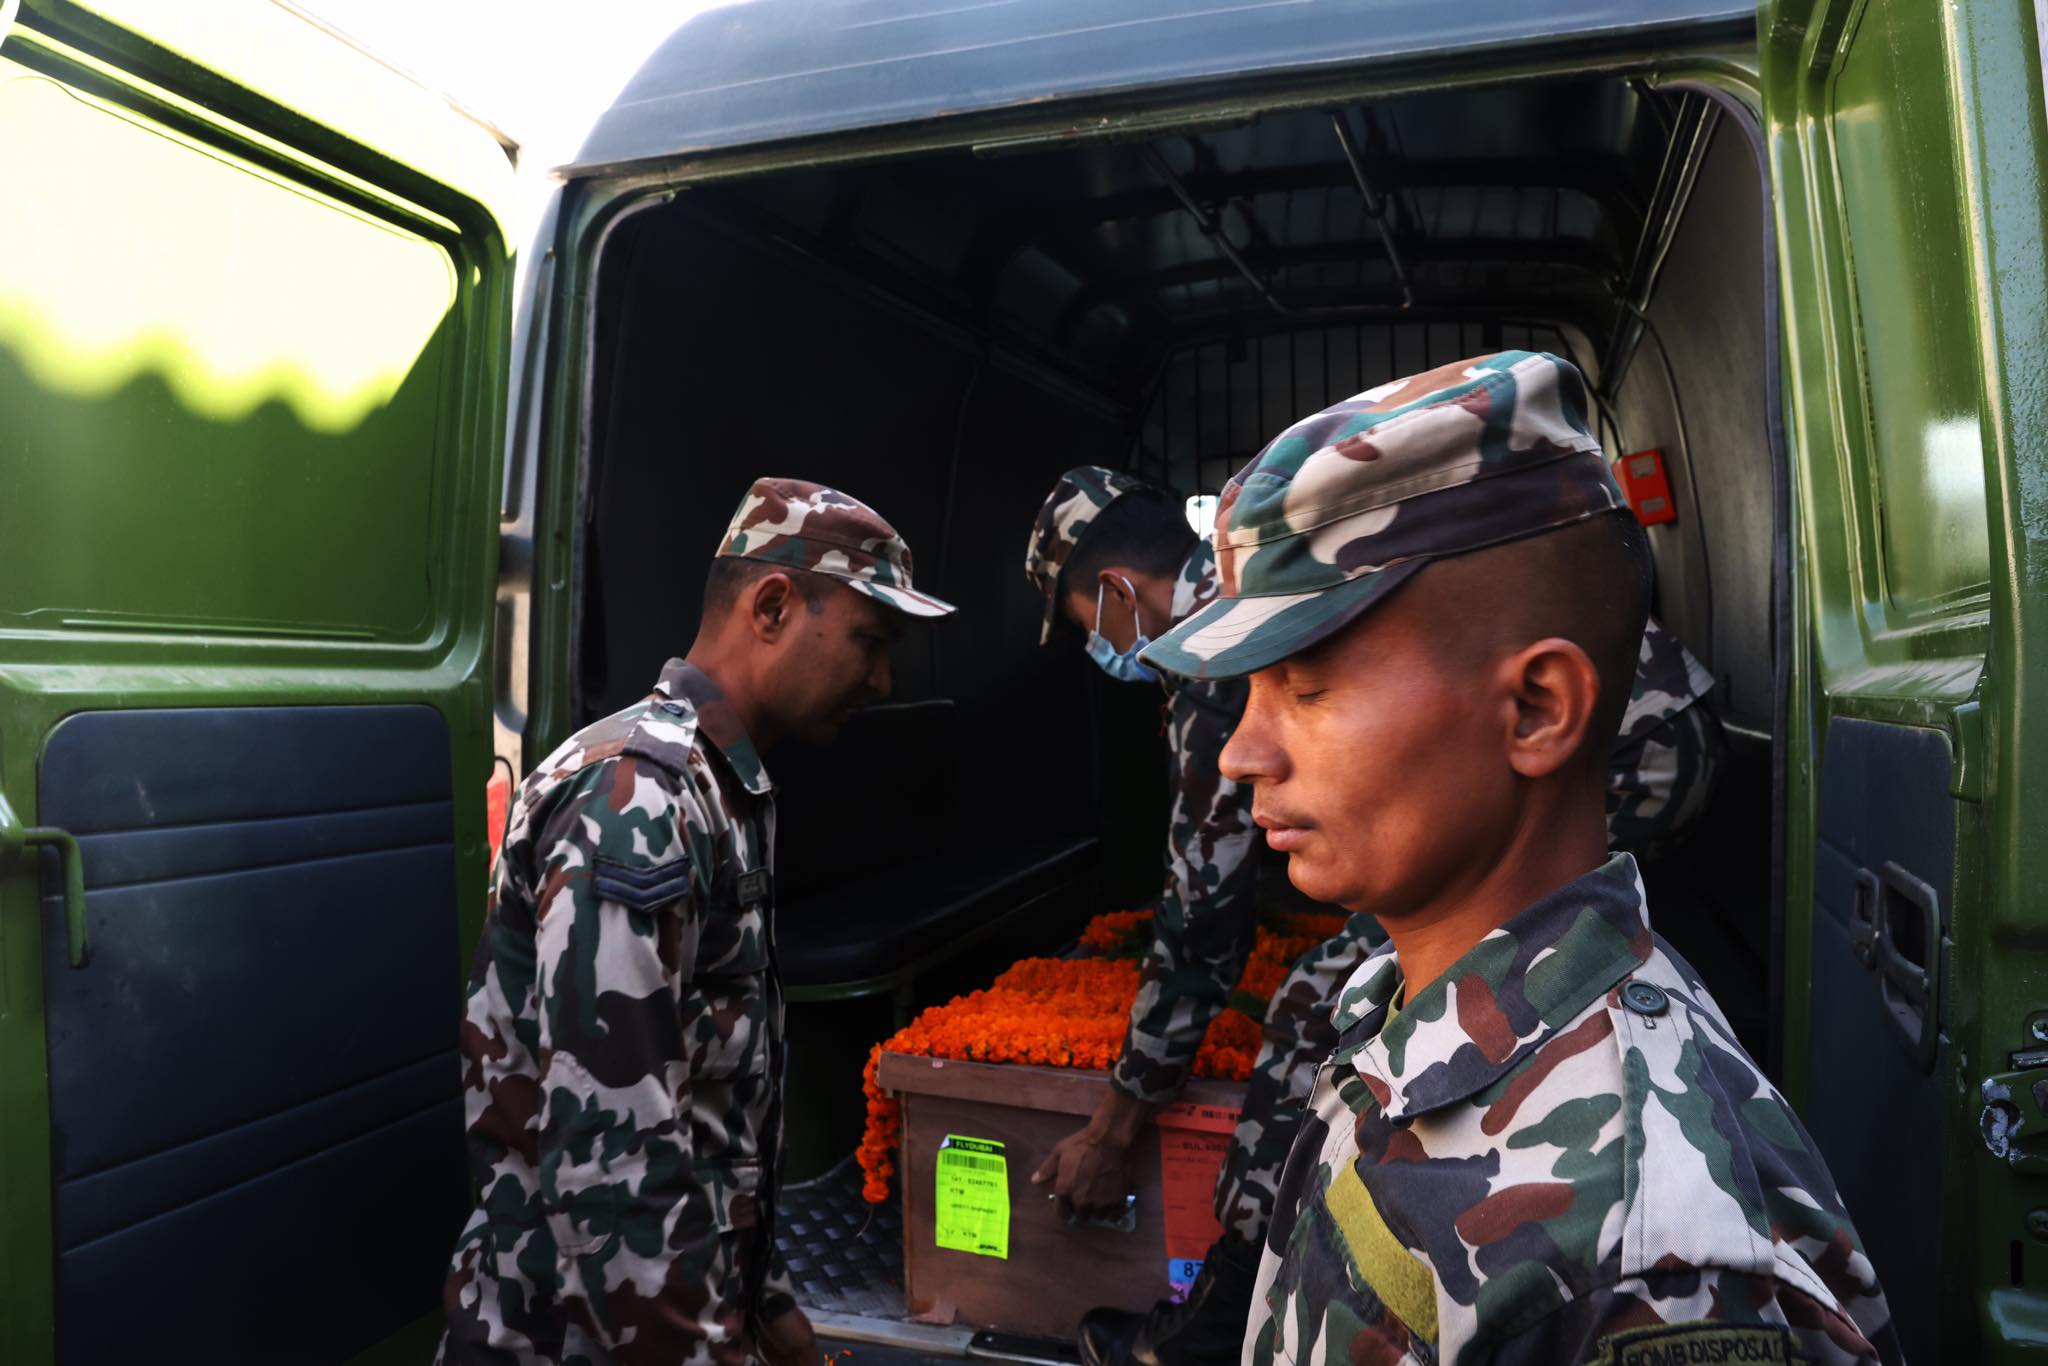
<point x="1658" y="785"/>
<point x="1202" y="932"/>
<point x="614" y="950"/>
<point x="1696" y="1314"/>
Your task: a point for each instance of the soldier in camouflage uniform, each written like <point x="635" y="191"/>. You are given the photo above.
<point x="1133" y="558"/>
<point x="1537" y="1139"/>
<point x="1124" y="552"/>
<point x="623" y="1032"/>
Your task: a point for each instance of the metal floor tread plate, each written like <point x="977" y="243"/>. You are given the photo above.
<point x="845" y="1255"/>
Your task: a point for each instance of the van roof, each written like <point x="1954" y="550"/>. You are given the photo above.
<point x="769" y="70"/>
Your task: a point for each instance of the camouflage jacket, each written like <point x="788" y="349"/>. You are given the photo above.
<point x="1556" y="1153"/>
<point x="621" y="1045"/>
<point x="1205" y="922"/>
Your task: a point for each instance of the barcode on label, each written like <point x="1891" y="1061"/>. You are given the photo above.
<point x="974" y="1162"/>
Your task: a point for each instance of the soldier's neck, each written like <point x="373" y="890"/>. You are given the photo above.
<point x="729" y="670"/>
<point x="1539" y="856"/>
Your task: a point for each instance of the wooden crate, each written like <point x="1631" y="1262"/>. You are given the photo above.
<point x="1055" y="1272"/>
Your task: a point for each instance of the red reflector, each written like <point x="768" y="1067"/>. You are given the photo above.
<point x="497" y="801"/>
<point x="1642" y="481"/>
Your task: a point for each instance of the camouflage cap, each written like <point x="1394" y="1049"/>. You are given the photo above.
<point x="1344" y="506"/>
<point x="1077" y="500"/>
<point x="808" y="526"/>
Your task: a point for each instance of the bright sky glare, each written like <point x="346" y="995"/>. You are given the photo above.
<point x="541" y="72"/>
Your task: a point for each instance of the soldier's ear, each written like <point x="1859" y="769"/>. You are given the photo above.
<point x="1553" y="688"/>
<point x="770" y="605"/>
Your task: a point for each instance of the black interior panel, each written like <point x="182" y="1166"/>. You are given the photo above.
<point x="1710" y="893"/>
<point x="888" y="852"/>
<point x="1875" y="1104"/>
<point x="258" y="1059"/>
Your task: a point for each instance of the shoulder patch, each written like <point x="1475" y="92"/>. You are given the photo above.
<point x="1702" y="1341"/>
<point x="664" y="733"/>
<point x="642" y="888"/>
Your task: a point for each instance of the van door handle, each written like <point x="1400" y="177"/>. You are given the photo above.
<point x="14" y="837"/>
<point x="1906" y="955"/>
<point x="1863" y="912"/>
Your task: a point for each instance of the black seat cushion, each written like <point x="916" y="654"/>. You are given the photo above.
<point x="866" y="927"/>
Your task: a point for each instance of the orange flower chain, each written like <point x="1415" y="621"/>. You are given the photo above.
<point x="1073" y="1012"/>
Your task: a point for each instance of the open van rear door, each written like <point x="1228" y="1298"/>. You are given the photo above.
<point x="1907" y="155"/>
<point x="252" y="310"/>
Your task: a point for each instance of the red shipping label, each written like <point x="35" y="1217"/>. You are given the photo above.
<point x="1215" y="1119"/>
<point x="1189" y="1160"/>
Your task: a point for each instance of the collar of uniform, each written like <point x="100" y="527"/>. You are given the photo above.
<point x="716" y="721"/>
<point x="1502" y="999"/>
<point x="1197" y="584"/>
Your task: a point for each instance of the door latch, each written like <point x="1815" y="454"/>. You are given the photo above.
<point x="2014" y="1121"/>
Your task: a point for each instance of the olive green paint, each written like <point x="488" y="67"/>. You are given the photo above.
<point x="248" y="453"/>
<point x="1906" y="145"/>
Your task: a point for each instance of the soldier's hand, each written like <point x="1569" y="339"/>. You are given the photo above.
<point x="1092" y="1170"/>
<point x="787" y="1340"/>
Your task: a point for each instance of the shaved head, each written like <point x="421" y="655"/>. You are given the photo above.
<point x="1588" y="583"/>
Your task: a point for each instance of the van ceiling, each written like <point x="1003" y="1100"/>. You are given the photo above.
<point x="745" y="74"/>
<point x="1540" y="200"/>
<point x="1167" y="305"/>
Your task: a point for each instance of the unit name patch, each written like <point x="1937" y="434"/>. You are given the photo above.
<point x="1698" y="1344"/>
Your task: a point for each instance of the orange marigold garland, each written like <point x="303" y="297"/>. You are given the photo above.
<point x="1119" y="933"/>
<point x="1072" y="1012"/>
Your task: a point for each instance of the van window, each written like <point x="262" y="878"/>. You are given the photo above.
<point x="275" y="357"/>
<point x="1895" y="168"/>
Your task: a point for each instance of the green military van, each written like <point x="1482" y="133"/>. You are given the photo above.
<point x="324" y="496"/>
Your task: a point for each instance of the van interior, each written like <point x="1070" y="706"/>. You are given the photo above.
<point x="942" y="334"/>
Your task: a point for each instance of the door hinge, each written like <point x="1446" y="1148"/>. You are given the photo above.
<point x="16" y="838"/>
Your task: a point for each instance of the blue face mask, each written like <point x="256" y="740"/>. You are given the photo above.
<point x="1125" y="667"/>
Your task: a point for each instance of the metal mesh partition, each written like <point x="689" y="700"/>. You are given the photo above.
<point x="1218" y="402"/>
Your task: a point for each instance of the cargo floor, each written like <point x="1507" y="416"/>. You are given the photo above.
<point x="845" y="1255"/>
<point x="846" y="1259"/>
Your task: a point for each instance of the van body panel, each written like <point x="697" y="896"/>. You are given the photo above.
<point x="772" y="70"/>
<point x="1907" y="161"/>
<point x="253" y="372"/>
